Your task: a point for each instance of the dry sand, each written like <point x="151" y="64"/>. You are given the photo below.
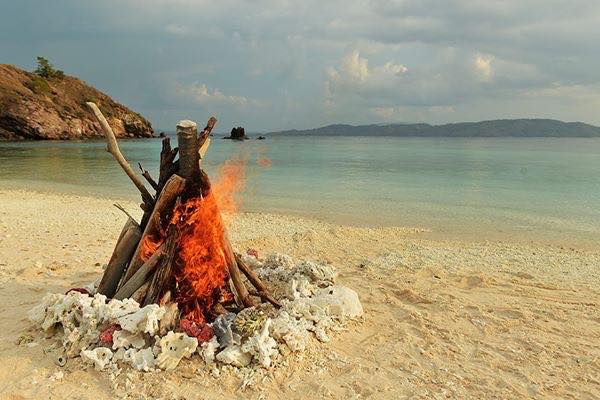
<point x="443" y="319"/>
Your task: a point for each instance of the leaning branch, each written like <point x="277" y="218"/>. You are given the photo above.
<point x="113" y="148"/>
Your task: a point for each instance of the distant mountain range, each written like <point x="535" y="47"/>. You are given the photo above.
<point x="494" y="128"/>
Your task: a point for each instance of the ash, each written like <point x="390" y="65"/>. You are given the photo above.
<point x="111" y="335"/>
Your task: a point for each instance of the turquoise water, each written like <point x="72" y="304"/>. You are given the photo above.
<point x="533" y="188"/>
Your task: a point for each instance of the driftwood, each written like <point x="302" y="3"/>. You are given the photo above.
<point x="148" y="177"/>
<point x="262" y="290"/>
<point x="120" y="207"/>
<point x="126" y="244"/>
<point x="187" y="138"/>
<point x="243" y="296"/>
<point x="113" y="148"/>
<point x="141" y="275"/>
<point x="163" y="277"/>
<point x="173" y="188"/>
<point x="168" y="166"/>
<point x="154" y="281"/>
<point x="140" y="294"/>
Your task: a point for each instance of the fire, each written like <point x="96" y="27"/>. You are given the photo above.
<point x="201" y="267"/>
<point x="149" y="246"/>
<point x="264" y="162"/>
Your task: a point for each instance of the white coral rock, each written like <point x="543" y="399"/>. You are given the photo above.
<point x="293" y="332"/>
<point x="207" y="350"/>
<point x="277" y="260"/>
<point x="339" y="301"/>
<point x="100" y="357"/>
<point x="124" y="339"/>
<point x="261" y="346"/>
<point x="317" y="272"/>
<point x="144" y="320"/>
<point x="142" y="360"/>
<point x="173" y="348"/>
<point x="234" y="355"/>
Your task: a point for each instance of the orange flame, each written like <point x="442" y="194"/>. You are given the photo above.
<point x="149" y="246"/>
<point x="201" y="267"/>
<point x="231" y="180"/>
<point x="264" y="162"/>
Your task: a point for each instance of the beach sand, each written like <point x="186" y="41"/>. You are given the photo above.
<point x="443" y="319"/>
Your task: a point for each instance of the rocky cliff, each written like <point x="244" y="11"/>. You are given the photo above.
<point x="32" y="107"/>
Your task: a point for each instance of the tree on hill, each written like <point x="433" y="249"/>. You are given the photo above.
<point x="46" y="70"/>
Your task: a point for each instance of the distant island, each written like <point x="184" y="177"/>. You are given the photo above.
<point x="494" y="128"/>
<point x="47" y="104"/>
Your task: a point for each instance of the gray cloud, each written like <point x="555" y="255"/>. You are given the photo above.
<point x="272" y="64"/>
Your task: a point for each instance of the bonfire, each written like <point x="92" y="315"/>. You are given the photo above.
<point x="180" y="250"/>
<point x="174" y="284"/>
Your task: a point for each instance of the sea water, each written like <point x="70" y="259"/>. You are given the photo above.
<point x="532" y="188"/>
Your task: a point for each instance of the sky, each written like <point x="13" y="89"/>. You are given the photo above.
<point x="278" y="64"/>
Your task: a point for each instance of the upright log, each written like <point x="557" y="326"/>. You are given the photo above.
<point x="187" y="139"/>
<point x="173" y="188"/>
<point x="126" y="244"/>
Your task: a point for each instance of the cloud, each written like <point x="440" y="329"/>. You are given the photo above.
<point x="201" y="94"/>
<point x="483" y="65"/>
<point x="180" y="30"/>
<point x="352" y="61"/>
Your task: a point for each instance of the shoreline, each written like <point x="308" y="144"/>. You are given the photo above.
<point x="442" y="318"/>
<point x="462" y="234"/>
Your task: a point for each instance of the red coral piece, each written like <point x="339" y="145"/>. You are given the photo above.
<point x="106" y="336"/>
<point x="202" y="332"/>
<point x="80" y="290"/>
<point x="253" y="253"/>
<point x="206" y="334"/>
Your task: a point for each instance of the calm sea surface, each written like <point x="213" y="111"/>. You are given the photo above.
<point x="547" y="189"/>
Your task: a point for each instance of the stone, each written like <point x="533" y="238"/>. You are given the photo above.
<point x="173" y="348"/>
<point x="208" y="349"/>
<point x="222" y="327"/>
<point x="339" y="301"/>
<point x="233" y="355"/>
<point x="144" y="320"/>
<point x="142" y="360"/>
<point x="125" y="339"/>
<point x="261" y="346"/>
<point x="100" y="357"/>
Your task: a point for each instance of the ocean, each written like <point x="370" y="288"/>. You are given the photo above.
<point x="532" y="189"/>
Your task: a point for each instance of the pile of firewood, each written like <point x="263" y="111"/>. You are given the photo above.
<point x="146" y="264"/>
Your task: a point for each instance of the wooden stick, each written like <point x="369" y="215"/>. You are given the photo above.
<point x="140" y="276"/>
<point x="210" y="124"/>
<point x="161" y="281"/>
<point x="263" y="291"/>
<point x="128" y="241"/>
<point x="234" y="274"/>
<point x="140" y="294"/>
<point x="173" y="188"/>
<point x="113" y="148"/>
<point x="148" y="177"/>
<point x="120" y="207"/>
<point x="167" y="166"/>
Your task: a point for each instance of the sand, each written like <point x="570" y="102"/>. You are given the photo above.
<point x="444" y="319"/>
